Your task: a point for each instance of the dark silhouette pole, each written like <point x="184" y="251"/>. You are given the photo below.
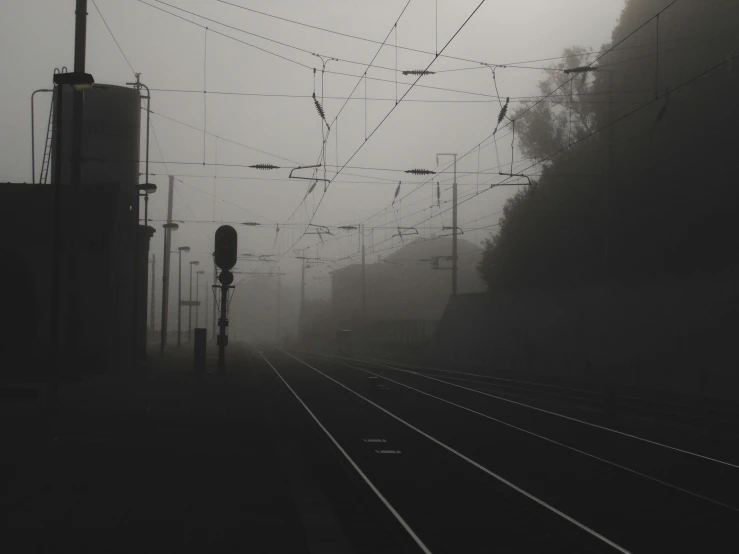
<point x="153" y="289"/>
<point x="56" y="256"/>
<point x="72" y="259"/>
<point x="168" y="228"/>
<point x="197" y="296"/>
<point x="179" y="295"/>
<point x="223" y="322"/>
<point x="215" y="298"/>
<point x="189" y="306"/>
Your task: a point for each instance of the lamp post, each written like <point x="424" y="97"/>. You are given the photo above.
<point x="189" y="306"/>
<point x="147" y="189"/>
<point x="79" y="81"/>
<point x="197" y="296"/>
<point x="181" y="249"/>
<point x="168" y="228"/>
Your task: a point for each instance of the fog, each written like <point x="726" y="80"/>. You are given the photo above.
<point x="390" y="275"/>
<point x="170" y="54"/>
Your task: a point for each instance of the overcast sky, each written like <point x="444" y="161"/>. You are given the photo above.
<point x="37" y="36"/>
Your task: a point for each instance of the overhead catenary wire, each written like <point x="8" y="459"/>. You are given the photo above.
<point x="613" y="122"/>
<point x="493" y="98"/>
<point x="311" y="53"/>
<point x="669" y="91"/>
<point x="478" y="150"/>
<point x="478" y="63"/>
<point x="237" y="143"/>
<point x="113" y="37"/>
<point x="315" y="210"/>
<point x="401" y="99"/>
<point x="603" y="53"/>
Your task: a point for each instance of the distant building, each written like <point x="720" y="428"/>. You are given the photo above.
<point x="405" y="294"/>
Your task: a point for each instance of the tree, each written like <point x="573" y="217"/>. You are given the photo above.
<point x="649" y="188"/>
<point x="565" y="116"/>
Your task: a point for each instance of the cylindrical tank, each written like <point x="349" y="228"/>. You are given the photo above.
<point x="110" y="136"/>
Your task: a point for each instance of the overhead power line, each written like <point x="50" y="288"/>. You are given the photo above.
<point x="227" y="36"/>
<point x="493" y="100"/>
<point x="113" y="37"/>
<point x="697" y="77"/>
<point x="603" y="53"/>
<point x="400" y="100"/>
<point x="409" y="49"/>
<point x="222" y="138"/>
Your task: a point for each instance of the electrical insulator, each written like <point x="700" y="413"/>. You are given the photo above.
<point x="319" y="107"/>
<point x="417" y="72"/>
<point x="264" y="166"/>
<point x="503" y="111"/>
<point x="580" y="69"/>
<point x="420" y="172"/>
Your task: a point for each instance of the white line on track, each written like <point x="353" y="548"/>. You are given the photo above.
<point x="528" y="495"/>
<point x="595" y="425"/>
<point x="384" y="500"/>
<point x="532" y="383"/>
<point x="635" y="472"/>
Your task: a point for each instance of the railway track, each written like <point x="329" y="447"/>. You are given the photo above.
<point x="463" y="472"/>
<point x="625" y="401"/>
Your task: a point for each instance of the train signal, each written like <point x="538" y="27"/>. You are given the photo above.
<point x="225" y="247"/>
<point x="226" y="277"/>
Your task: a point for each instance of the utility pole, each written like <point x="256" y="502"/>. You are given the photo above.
<point x="179" y="300"/>
<point x="279" y="305"/>
<point x="56" y="256"/>
<point x="197" y="296"/>
<point x="189" y="307"/>
<point x="153" y="288"/>
<point x="302" y="301"/>
<point x="166" y="264"/>
<point x="215" y="278"/>
<point x="364" y="285"/>
<point x="455" y="266"/>
<point x="609" y="171"/>
<point x="206" y="308"/>
<point x="72" y="261"/>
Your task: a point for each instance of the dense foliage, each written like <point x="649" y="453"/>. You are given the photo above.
<point x="637" y="175"/>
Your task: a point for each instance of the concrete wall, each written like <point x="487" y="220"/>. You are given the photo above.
<point x="675" y="335"/>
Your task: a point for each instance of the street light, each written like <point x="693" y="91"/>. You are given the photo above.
<point x="147" y="189"/>
<point x="197" y="296"/>
<point x="79" y="81"/>
<point x="189" y="307"/>
<point x="181" y="249"/>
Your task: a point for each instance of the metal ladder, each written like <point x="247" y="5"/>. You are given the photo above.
<point x="46" y="160"/>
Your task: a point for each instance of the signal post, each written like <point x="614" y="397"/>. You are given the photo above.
<point x="225" y="257"/>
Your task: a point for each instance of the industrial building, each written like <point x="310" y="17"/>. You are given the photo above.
<point x="103" y="270"/>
